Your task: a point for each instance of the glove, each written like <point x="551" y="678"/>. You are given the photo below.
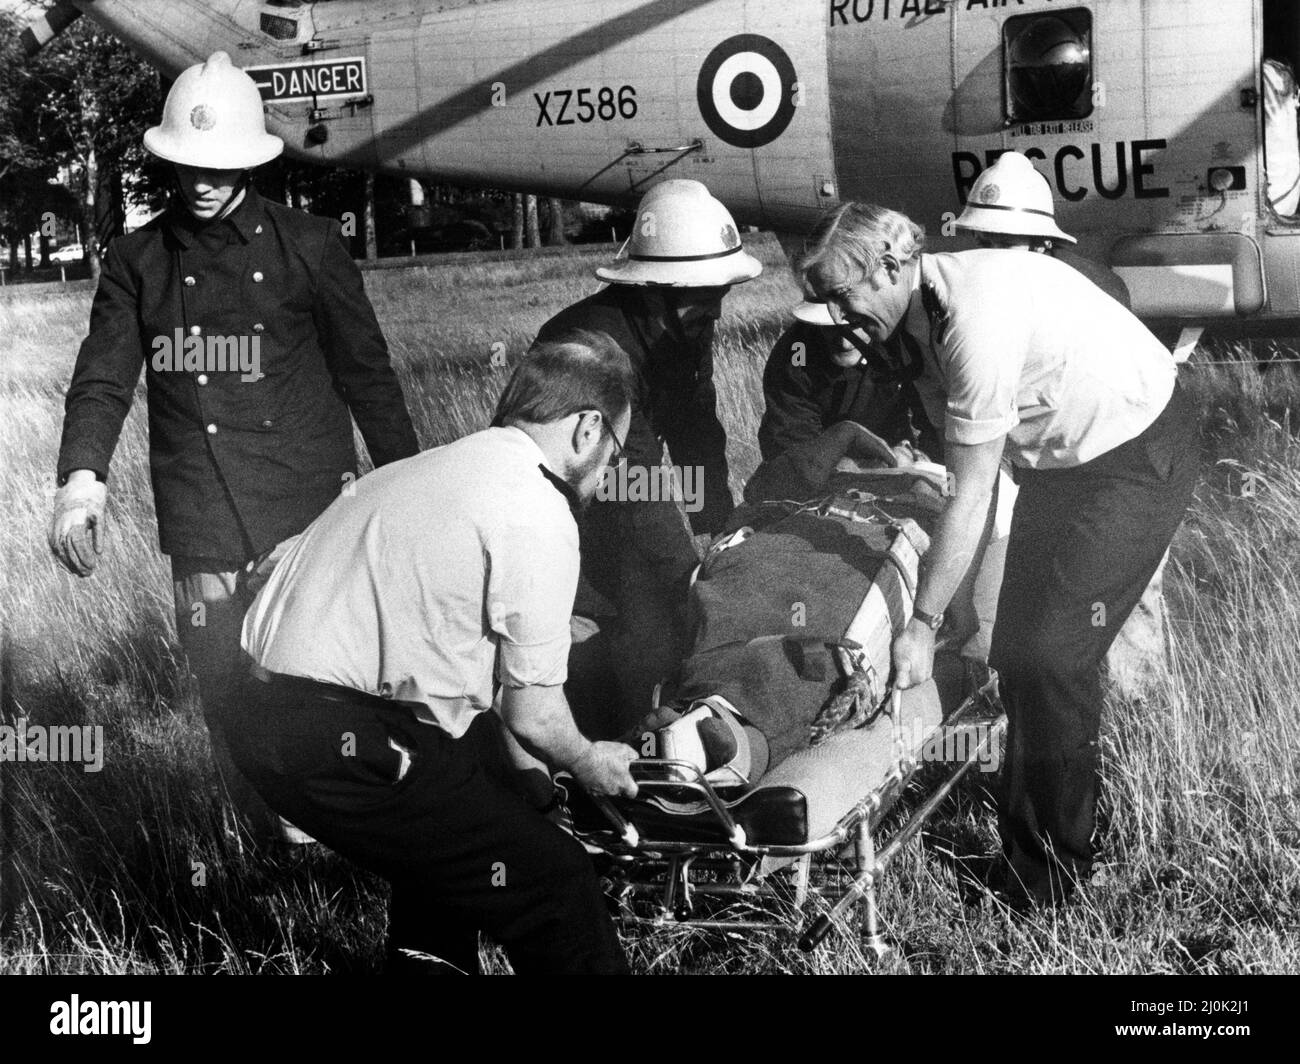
<point x="76" y="534"/>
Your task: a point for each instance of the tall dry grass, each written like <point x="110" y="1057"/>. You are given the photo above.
<point x="125" y="871"/>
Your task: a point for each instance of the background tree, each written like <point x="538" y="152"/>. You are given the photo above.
<point x="76" y="111"/>
<point x="372" y="243"/>
<point x="530" y="213"/>
<point x="555" y="222"/>
<point x="517" y="221"/>
<point x="17" y="151"/>
<point x="25" y="169"/>
<point x="91" y="101"/>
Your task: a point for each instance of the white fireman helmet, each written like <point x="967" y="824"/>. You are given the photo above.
<point x="213" y="120"/>
<point x="814" y="312"/>
<point x="1011" y="198"/>
<point x="684" y="238"/>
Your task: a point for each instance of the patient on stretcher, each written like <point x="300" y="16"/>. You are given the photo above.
<point x="792" y="617"/>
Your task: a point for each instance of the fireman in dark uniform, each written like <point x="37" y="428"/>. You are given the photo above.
<point x="825" y="399"/>
<point x="661" y="306"/>
<point x="258" y="343"/>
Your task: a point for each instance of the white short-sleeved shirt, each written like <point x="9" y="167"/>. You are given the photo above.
<point x="436" y="575"/>
<point x="1019" y="344"/>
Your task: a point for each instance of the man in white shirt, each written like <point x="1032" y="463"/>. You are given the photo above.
<point x="439" y="584"/>
<point x="1024" y="355"/>
<point x="1010" y="205"/>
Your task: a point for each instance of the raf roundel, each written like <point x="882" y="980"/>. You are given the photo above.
<point x="746" y="90"/>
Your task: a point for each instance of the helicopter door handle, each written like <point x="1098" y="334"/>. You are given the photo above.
<point x="637" y="148"/>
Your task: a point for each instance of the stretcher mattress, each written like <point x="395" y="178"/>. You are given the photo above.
<point x="808" y="793"/>
<point x="773" y="607"/>
<point x="803" y="597"/>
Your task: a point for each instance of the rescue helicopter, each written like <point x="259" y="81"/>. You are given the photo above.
<point x="1167" y="144"/>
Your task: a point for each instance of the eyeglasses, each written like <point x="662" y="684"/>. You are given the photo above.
<point x="619" y="448"/>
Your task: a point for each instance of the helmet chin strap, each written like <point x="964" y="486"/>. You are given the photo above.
<point x="242" y="185"/>
<point x="236" y="194"/>
<point x="864" y="347"/>
<point x="658" y="303"/>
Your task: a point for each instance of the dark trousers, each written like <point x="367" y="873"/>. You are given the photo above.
<point x="211" y="598"/>
<point x="462" y="848"/>
<point x="1084" y="543"/>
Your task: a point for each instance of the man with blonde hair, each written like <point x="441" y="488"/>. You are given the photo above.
<point x="1026" y="357"/>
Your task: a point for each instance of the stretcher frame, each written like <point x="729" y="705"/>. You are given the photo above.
<point x="668" y="872"/>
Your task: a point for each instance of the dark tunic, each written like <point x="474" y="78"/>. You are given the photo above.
<point x="675" y="403"/>
<point x="237" y="465"/>
<point x="637" y="556"/>
<point x="804" y="396"/>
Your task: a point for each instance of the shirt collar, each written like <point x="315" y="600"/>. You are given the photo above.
<point x="244" y="220"/>
<point x="528" y="441"/>
<point x="916" y="321"/>
<point x="570" y="496"/>
<point x="556" y="481"/>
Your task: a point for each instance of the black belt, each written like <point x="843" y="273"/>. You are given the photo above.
<point x="319" y="690"/>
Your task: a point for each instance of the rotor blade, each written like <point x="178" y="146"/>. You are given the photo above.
<point x="39" y="33"/>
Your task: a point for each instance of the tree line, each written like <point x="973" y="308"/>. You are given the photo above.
<point x="71" y="160"/>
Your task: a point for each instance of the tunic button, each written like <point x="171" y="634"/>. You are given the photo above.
<point x="258" y="229"/>
<point x="190" y="282"/>
<point x="195" y="330"/>
<point x="258" y="327"/>
<point x="203" y="378"/>
<point x="267" y="424"/>
<point x="212" y="430"/>
<point x="257" y="276"/>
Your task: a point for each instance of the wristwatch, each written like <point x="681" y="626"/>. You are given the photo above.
<point x="933" y="621"/>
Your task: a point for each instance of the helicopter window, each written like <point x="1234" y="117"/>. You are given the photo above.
<point x="279" y="27"/>
<point x="1047" y="65"/>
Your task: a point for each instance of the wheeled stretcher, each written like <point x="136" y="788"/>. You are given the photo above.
<point x="806" y="831"/>
<point x="798" y="846"/>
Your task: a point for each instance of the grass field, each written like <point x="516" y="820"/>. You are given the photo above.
<point x="124" y="871"/>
